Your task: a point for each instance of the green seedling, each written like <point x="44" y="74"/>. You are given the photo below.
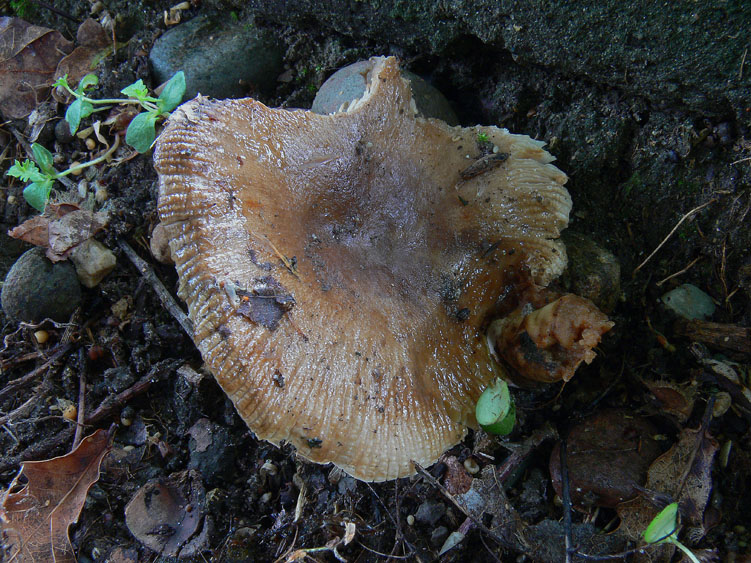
<point x="42" y="174"/>
<point x="495" y="410"/>
<point x="142" y="129"/>
<point x="482" y="138"/>
<point x="141" y="132"/>
<point x="664" y="529"/>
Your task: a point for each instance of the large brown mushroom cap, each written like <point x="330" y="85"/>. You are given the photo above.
<point x="340" y="269"/>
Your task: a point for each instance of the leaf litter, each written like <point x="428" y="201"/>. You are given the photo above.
<point x="36" y="517"/>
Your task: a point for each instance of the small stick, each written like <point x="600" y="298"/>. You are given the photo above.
<point x="566" y="503"/>
<point x="111" y="404"/>
<point x="678" y="224"/>
<point x="678" y="273"/>
<point x="33" y="374"/>
<point x="165" y="296"/>
<point x="81" y="398"/>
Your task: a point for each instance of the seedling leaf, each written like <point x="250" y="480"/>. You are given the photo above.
<point x="173" y="92"/>
<point x="141" y="131"/>
<point x="495" y="410"/>
<point x="76" y="111"/>
<point x="26" y="171"/>
<point x="37" y="193"/>
<point x="136" y="90"/>
<point x="43" y="158"/>
<point x="663" y="525"/>
<point x="88" y="81"/>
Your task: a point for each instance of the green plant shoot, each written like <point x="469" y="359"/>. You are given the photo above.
<point x="495" y="410"/>
<point x="142" y="129"/>
<point x="664" y="529"/>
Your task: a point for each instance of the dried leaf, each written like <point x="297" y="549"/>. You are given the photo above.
<point x="29" y="55"/>
<point x="683" y="473"/>
<point x="60" y="229"/>
<point x="93" y="45"/>
<point x="167" y="516"/>
<point x="36" y="518"/>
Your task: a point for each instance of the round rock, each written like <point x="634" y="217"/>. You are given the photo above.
<point x="221" y="60"/>
<point x="349" y="83"/>
<point x="36" y="289"/>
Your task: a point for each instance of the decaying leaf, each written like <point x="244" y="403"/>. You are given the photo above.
<point x="92" y="45"/>
<point x="60" y="229"/>
<point x="683" y="473"/>
<point x="35" y="519"/>
<point x="167" y="515"/>
<point x="29" y="55"/>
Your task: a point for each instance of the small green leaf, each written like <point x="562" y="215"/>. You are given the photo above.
<point x="173" y="93"/>
<point x="663" y="525"/>
<point x="495" y="410"/>
<point x="141" y="131"/>
<point x="88" y="81"/>
<point x="26" y="171"/>
<point x="37" y="194"/>
<point x="62" y="81"/>
<point x="136" y="90"/>
<point x="43" y="158"/>
<point x="77" y="111"/>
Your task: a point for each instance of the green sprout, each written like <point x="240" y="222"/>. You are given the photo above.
<point x="664" y="529"/>
<point x="141" y="132"/>
<point x="482" y="138"/>
<point x="42" y="175"/>
<point x="495" y="410"/>
<point x="142" y="129"/>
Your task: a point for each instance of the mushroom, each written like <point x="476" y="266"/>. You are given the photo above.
<point x="341" y="270"/>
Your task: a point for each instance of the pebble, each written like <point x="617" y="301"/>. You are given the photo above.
<point x="348" y="84"/>
<point x="219" y="59"/>
<point x="211" y="450"/>
<point x="93" y="261"/>
<point x="429" y="512"/>
<point x="36" y="289"/>
<point x="593" y="272"/>
<point x="159" y="245"/>
<point x="439" y="535"/>
<point x="689" y="302"/>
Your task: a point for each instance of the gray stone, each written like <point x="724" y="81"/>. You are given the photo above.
<point x="36" y="289"/>
<point x="211" y="451"/>
<point x="689" y="302"/>
<point x="439" y="535"/>
<point x="592" y="272"/>
<point x="429" y="512"/>
<point x="348" y="83"/>
<point x="220" y="59"/>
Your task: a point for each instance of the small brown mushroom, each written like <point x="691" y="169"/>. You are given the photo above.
<point x="341" y="269"/>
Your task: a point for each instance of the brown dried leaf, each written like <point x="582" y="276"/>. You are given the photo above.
<point x="59" y="229"/>
<point x="29" y="55"/>
<point x="93" y="44"/>
<point x="684" y="473"/>
<point x="36" y="518"/>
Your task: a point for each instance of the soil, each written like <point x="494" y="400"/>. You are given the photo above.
<point x="637" y="162"/>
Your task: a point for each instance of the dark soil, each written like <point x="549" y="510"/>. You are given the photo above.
<point x="637" y="163"/>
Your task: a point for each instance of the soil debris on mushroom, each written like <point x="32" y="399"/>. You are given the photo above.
<point x="353" y="257"/>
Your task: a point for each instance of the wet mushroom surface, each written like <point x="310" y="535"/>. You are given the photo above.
<point x="341" y="269"/>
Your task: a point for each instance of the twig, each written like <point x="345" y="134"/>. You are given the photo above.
<point x="111" y="404"/>
<point x="679" y="272"/>
<point x="678" y="224"/>
<point x="566" y="500"/>
<point x="81" y="398"/>
<point x="165" y="296"/>
<point x="743" y="62"/>
<point x="741" y="160"/>
<point x="33" y="374"/>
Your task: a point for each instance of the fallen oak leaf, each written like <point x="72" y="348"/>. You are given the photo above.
<point x="35" y="519"/>
<point x="29" y="55"/>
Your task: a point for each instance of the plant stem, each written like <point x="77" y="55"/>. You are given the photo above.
<point x="146" y="104"/>
<point x="685" y="550"/>
<point x="97" y="160"/>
